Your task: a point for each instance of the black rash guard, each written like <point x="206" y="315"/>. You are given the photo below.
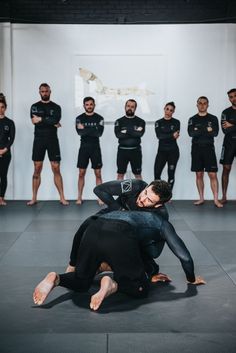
<point x="164" y="132"/>
<point x="93" y="128"/>
<point x="127" y="192"/>
<point x="131" y="137"/>
<point x="150" y="226"/>
<point x="7" y="133"/>
<point x="229" y="115"/>
<point x="197" y="129"/>
<point x="51" y="115"/>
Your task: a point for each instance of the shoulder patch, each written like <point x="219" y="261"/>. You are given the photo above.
<point x="126" y="186"/>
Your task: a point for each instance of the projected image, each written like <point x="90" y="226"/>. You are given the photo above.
<point x="112" y="79"/>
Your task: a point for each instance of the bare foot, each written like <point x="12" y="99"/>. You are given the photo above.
<point x="32" y="202"/>
<point x="160" y="277"/>
<point x="108" y="287"/>
<point x="44" y="288"/>
<point x="64" y="202"/>
<point x="218" y="204"/>
<point x="100" y="202"/>
<point x="199" y="202"/>
<point x="70" y="269"/>
<point x="223" y="201"/>
<point x="2" y="202"/>
<point x="79" y="201"/>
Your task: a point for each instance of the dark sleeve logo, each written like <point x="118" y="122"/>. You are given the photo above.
<point x="126" y="186"/>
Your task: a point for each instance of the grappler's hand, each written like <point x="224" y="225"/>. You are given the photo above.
<point x="160" y="277"/>
<point x="198" y="281"/>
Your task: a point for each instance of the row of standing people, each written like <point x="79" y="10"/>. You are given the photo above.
<point x="202" y="127"/>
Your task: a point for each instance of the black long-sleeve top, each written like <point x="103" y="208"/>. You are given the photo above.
<point x="7" y="133"/>
<point x="127" y="192"/>
<point x="197" y="129"/>
<point x="164" y="132"/>
<point x="51" y="115"/>
<point x="151" y="226"/>
<point x="229" y="115"/>
<point x="130" y="138"/>
<point x="93" y="128"/>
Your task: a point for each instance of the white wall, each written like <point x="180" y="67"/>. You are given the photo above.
<point x="199" y="60"/>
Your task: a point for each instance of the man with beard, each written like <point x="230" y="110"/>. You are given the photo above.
<point x="129" y="129"/>
<point x="228" y="123"/>
<point x="116" y="238"/>
<point x="89" y="126"/>
<point x="132" y="194"/>
<point x="46" y="116"/>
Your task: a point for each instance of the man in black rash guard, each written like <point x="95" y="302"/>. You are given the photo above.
<point x="7" y="136"/>
<point x="129" y="129"/>
<point x="203" y="127"/>
<point x="167" y="131"/>
<point x="132" y="194"/>
<point x="228" y="123"/>
<point x="46" y="116"/>
<point x="116" y="238"/>
<point x="89" y="126"/>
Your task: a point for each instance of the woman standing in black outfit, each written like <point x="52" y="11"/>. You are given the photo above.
<point x="7" y="136"/>
<point x="167" y="131"/>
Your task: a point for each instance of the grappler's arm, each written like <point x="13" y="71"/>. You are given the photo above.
<point x="108" y="190"/>
<point x="178" y="247"/>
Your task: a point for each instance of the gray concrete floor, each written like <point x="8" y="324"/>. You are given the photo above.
<point x="174" y="318"/>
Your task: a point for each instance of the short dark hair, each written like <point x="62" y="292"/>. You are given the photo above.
<point x="44" y="84"/>
<point x="162" y="189"/>
<point x="203" y="97"/>
<point x="86" y="99"/>
<point x="132" y="100"/>
<point x="232" y="90"/>
<point x="3" y="100"/>
<point x="170" y="103"/>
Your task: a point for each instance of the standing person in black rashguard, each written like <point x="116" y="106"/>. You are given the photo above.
<point x="228" y="123"/>
<point x="167" y="131"/>
<point x="89" y="126"/>
<point x="7" y="136"/>
<point x="129" y="129"/>
<point x="203" y="127"/>
<point x="46" y="116"/>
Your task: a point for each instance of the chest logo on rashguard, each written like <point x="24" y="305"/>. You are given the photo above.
<point x="126" y="186"/>
<point x="6" y="128"/>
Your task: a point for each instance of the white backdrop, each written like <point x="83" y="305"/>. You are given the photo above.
<point x="175" y="62"/>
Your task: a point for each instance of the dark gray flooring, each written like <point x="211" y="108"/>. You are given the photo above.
<point x="175" y="318"/>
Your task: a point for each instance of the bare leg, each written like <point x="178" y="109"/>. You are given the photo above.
<point x="82" y="173"/>
<point x="107" y="287"/>
<point x="120" y="176"/>
<point x="58" y="182"/>
<point x="138" y="176"/>
<point x="215" y="188"/>
<point x="38" y="166"/>
<point x="44" y="288"/>
<point x="200" y="187"/>
<point x="70" y="269"/>
<point x="225" y="181"/>
<point x="98" y="176"/>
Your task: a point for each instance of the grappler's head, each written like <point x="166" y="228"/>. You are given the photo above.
<point x="155" y="194"/>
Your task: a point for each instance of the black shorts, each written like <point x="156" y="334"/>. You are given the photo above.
<point x="49" y="144"/>
<point x="228" y="152"/>
<point x="89" y="152"/>
<point x="203" y="158"/>
<point x="134" y="156"/>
